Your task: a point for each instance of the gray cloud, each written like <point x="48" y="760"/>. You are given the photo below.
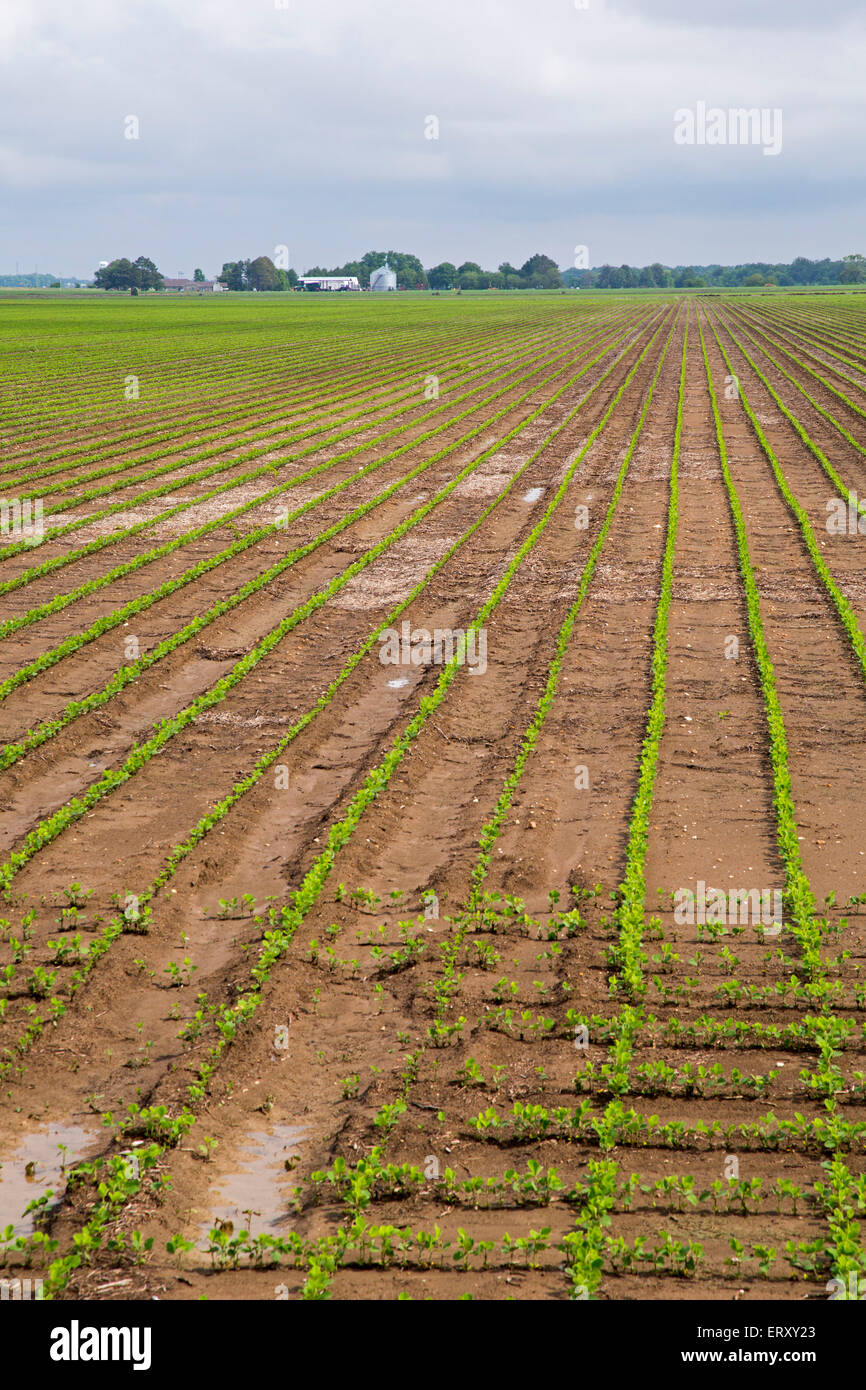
<point x="306" y="126"/>
<point x="742" y="14"/>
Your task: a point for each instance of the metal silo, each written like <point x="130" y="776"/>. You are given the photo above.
<point x="383" y="278"/>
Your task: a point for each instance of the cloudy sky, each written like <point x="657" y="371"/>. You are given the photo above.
<point x="305" y="123"/>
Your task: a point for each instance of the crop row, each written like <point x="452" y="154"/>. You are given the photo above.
<point x="277" y="941"/>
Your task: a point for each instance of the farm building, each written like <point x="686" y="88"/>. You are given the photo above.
<point x="383" y="278"/>
<point x="183" y="286"/>
<point x="329" y="282"/>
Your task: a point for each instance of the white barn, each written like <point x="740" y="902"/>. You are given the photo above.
<point x="329" y="282"/>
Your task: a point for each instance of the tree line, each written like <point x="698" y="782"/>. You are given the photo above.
<point x="260" y="274"/>
<point x="850" y="270"/>
<point x="538" y="272"/>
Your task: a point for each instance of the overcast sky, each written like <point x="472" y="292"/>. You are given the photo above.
<point x="304" y="123"/>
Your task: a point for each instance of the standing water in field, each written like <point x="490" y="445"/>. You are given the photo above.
<point x="260" y="1184"/>
<point x="38" y="1166"/>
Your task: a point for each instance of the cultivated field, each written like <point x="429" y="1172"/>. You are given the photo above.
<point x="524" y="959"/>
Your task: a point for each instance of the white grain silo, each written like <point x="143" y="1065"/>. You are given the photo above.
<point x="383" y="278"/>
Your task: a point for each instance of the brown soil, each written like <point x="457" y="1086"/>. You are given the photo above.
<point x="304" y="1084"/>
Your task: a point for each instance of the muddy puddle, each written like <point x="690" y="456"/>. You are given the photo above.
<point x="256" y="1196"/>
<point x="38" y="1166"/>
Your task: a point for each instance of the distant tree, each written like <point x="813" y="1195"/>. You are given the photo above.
<point x="117" y="275"/>
<point x="469" y="268"/>
<point x="752" y="281"/>
<point x="541" y="272"/>
<point x="475" y="280"/>
<point x="688" y="279"/>
<point x="262" y="274"/>
<point x="149" y="277"/>
<point x="662" y="277"/>
<point x="124" y="274"/>
<point x="287" y="278"/>
<point x="854" y="270"/>
<point x="233" y="274"/>
<point x="198" y="275"/>
<point x="442" y="276"/>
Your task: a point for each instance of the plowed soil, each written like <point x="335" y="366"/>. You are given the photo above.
<point x="392" y="1105"/>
